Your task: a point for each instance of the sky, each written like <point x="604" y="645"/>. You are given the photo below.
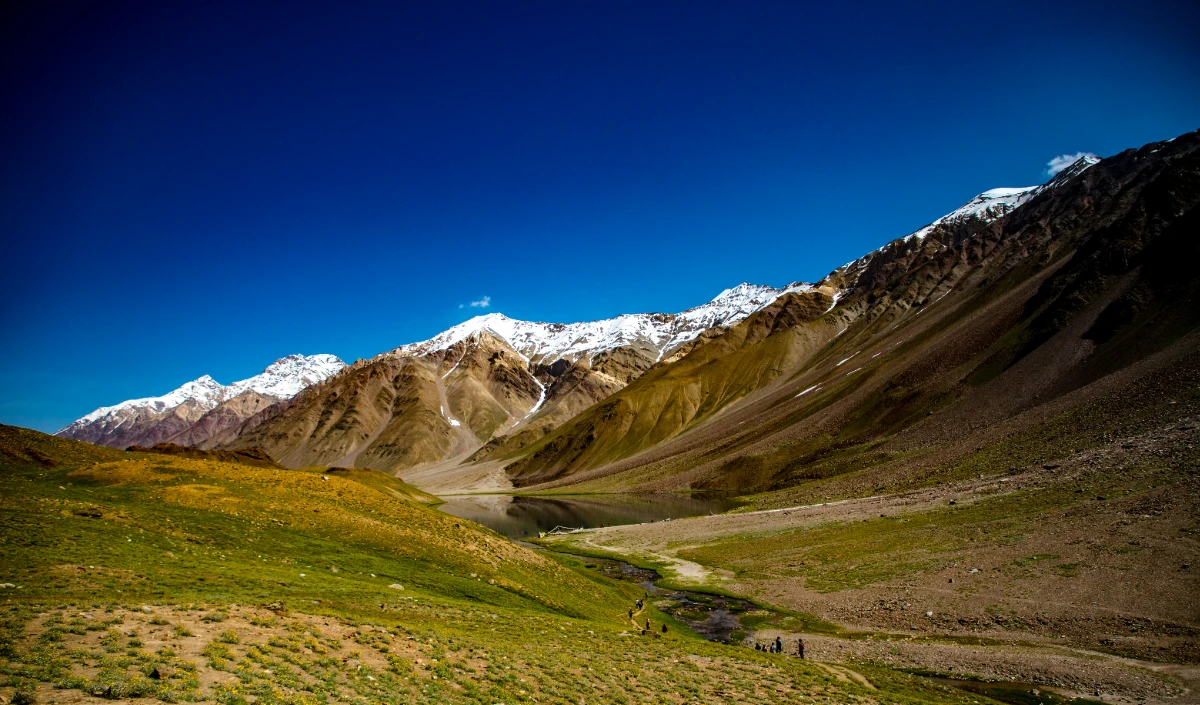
<point x="202" y="188"/>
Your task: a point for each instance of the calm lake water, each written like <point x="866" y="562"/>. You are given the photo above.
<point x="522" y="517"/>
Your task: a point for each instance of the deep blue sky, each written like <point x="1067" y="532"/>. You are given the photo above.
<point x="202" y="187"/>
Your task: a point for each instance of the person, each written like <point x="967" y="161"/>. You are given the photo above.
<point x="800" y="647"/>
<point x="757" y="646"/>
<point x="778" y="645"/>
<point x="664" y="628"/>
<point x="631" y="614"/>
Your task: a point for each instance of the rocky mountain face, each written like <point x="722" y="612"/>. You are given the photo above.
<point x="1024" y="305"/>
<point x="196" y="410"/>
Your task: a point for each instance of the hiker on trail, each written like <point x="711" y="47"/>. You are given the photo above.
<point x="757" y="646"/>
<point x="800" y="647"/>
<point x="778" y="645"/>
<point x="631" y="614"/>
<point x="647" y="625"/>
<point x="664" y="629"/>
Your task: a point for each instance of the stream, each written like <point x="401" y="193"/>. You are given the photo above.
<point x="718" y="618"/>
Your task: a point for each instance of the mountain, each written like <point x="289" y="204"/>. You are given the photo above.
<point x="1072" y="302"/>
<point x="485" y="390"/>
<point x="987" y="317"/>
<point x="199" y="408"/>
<point x="485" y="387"/>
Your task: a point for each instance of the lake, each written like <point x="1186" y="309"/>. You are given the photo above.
<point x="520" y="517"/>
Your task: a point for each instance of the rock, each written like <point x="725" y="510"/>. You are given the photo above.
<point x="162" y="672"/>
<point x="973" y="571"/>
<point x="396" y="586"/>
<point x="147" y="609"/>
<point x="333" y="569"/>
<point x="953" y="502"/>
<point x="929" y="613"/>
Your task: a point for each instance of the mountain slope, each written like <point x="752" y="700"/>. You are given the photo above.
<point x="174" y="416"/>
<point x="939" y="338"/>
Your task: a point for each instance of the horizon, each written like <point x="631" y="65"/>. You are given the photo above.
<point x="188" y="196"/>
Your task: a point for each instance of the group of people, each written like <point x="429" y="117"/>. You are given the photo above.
<point x="776" y="647"/>
<point x="639" y="604"/>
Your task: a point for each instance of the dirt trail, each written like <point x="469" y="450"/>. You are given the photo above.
<point x="844" y="674"/>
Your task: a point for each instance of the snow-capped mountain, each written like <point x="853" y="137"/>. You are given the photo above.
<point x="288" y="376"/>
<point x="152" y="419"/>
<point x="546" y="342"/>
<point x="985" y="208"/>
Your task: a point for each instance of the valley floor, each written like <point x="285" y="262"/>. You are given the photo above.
<point x="1079" y="574"/>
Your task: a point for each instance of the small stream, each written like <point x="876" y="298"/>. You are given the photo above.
<point x="715" y="617"/>
<point x="727" y="620"/>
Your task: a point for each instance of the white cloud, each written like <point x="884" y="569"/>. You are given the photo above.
<point x="482" y="303"/>
<point x="1063" y="161"/>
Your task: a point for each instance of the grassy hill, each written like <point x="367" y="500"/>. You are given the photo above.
<point x="182" y="579"/>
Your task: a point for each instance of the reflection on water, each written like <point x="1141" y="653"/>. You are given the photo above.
<point x="522" y="517"/>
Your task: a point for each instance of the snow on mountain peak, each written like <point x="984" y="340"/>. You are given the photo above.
<point x="288" y="376"/>
<point x="282" y="379"/>
<point x="662" y="332"/>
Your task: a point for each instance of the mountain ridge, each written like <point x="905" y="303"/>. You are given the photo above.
<point x="151" y="420"/>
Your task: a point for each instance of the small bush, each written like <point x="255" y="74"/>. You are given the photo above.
<point x="24" y="696"/>
<point x="218" y="616"/>
<point x="228" y="636"/>
<point x="160" y="621"/>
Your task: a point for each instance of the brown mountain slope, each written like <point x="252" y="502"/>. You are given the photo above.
<point x="940" y="339"/>
<point x="670" y="398"/>
<point x="228" y="414"/>
<point x="375" y="414"/>
<point x="401" y="410"/>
